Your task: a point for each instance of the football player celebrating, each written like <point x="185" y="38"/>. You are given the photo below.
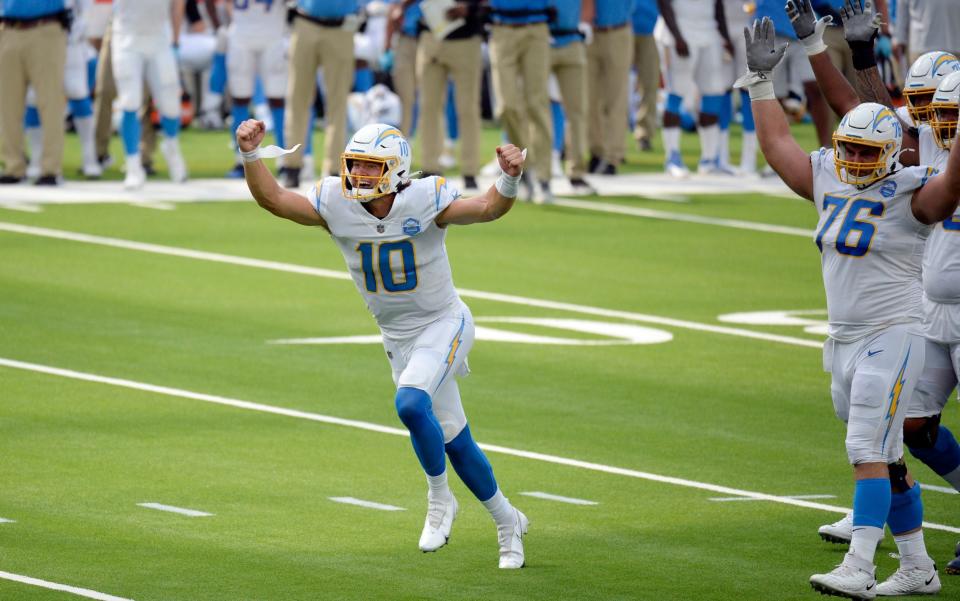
<point x="925" y="437"/>
<point x="391" y="232"/>
<point x="874" y="219"/>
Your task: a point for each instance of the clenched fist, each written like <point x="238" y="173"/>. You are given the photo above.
<point x="250" y="134"/>
<point x="510" y="158"/>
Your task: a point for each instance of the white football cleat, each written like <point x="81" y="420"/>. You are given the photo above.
<point x="136" y="176"/>
<point x="847" y="581"/>
<point x="92" y="169"/>
<point x="439" y="521"/>
<point x="839" y="532"/>
<point x="914" y="580"/>
<point x="511" y="542"/>
<point x="170" y="148"/>
<point x="675" y="167"/>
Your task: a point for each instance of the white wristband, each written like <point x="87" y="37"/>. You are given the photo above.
<point x="250" y="156"/>
<point x="762" y="90"/>
<point x="270" y="152"/>
<point x="508" y="185"/>
<point x="813" y="44"/>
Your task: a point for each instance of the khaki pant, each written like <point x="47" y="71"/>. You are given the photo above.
<point x="646" y="61"/>
<point x="106" y="92"/>
<point x="405" y="79"/>
<point x="461" y="61"/>
<point x="608" y="67"/>
<point x="839" y="52"/>
<point x="313" y="46"/>
<point x="35" y="56"/>
<point x="569" y="65"/>
<point x="523" y="53"/>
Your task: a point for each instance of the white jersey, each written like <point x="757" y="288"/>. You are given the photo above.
<point x="398" y="263"/>
<point x="696" y="21"/>
<point x="941" y="261"/>
<point x="142" y="23"/>
<point x="871" y="246"/>
<point x="258" y="22"/>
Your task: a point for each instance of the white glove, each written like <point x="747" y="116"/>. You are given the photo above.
<point x="586" y="30"/>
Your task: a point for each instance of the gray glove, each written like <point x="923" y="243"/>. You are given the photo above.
<point x="808" y="28"/>
<point x="762" y="57"/>
<point x="860" y="24"/>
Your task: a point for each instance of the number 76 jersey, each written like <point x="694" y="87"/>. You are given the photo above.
<point x="871" y="248"/>
<point x="399" y="263"/>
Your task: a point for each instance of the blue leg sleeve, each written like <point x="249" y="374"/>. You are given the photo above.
<point x="906" y="511"/>
<point x="278" y="113"/>
<point x="31" y="117"/>
<point x="130" y="132"/>
<point x="92" y="72"/>
<point x="746" y="112"/>
<point x="170" y="126"/>
<point x="726" y="111"/>
<point x="259" y="96"/>
<point x="240" y="113"/>
<point x="82" y="107"/>
<point x="559" y="123"/>
<point x="943" y="457"/>
<point x="363" y="80"/>
<point x="416" y="412"/>
<point x="471" y="465"/>
<point x="712" y="105"/>
<point x="450" y="110"/>
<point x="871" y="502"/>
<point x="218" y="73"/>
<point x="674" y="104"/>
<point x="308" y="144"/>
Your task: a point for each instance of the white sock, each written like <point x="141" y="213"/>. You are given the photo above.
<point x="671" y="140"/>
<point x="85" y="132"/>
<point x="35" y="135"/>
<point x="953" y="478"/>
<point x="500" y="509"/>
<point x="133" y="161"/>
<point x="913" y="551"/>
<point x="438" y="485"/>
<point x="863" y="544"/>
<point x="748" y="152"/>
<point x="709" y="142"/>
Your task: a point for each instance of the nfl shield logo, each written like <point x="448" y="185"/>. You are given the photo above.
<point x="411" y="226"/>
<point x="380" y="228"/>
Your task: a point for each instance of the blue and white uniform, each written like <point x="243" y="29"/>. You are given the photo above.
<point x="257" y="43"/>
<point x="142" y="48"/>
<point x="400" y="267"/>
<point x="872" y="246"/>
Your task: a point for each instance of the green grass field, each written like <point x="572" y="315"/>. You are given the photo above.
<point x="77" y="456"/>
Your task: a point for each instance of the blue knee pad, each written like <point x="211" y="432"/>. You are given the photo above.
<point x="712" y="105"/>
<point x="416" y="412"/>
<point x="170" y="126"/>
<point x="472" y="465"/>
<point x="218" y="73"/>
<point x="674" y="103"/>
<point x="746" y="111"/>
<point x="92" y="72"/>
<point x="871" y="502"/>
<point x="944" y="456"/>
<point x="81" y="107"/>
<point x="130" y="132"/>
<point x="906" y="511"/>
<point x="31" y="118"/>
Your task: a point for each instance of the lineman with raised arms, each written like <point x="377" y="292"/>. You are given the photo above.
<point x="874" y="220"/>
<point x="391" y="232"/>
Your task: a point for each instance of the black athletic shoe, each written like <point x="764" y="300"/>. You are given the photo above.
<point x="47" y="180"/>
<point x="10" y="179"/>
<point x="470" y="182"/>
<point x="290" y="177"/>
<point x="594" y="163"/>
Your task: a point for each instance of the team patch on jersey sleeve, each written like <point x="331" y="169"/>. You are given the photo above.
<point x="411" y="226"/>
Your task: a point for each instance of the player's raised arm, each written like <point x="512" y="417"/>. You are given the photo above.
<point x="938" y="199"/>
<point x="496" y="201"/>
<point x="840" y="95"/>
<point x="782" y="152"/>
<point x="265" y="189"/>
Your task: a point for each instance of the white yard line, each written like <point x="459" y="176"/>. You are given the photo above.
<point x="81" y="592"/>
<point x="342" y="275"/>
<point x="6" y="521"/>
<point x="943" y="489"/>
<point x="554" y="459"/>
<point x="788" y="497"/>
<point x="547" y="496"/>
<point x="605" y="207"/>
<point x="180" y="510"/>
<point x="367" y="504"/>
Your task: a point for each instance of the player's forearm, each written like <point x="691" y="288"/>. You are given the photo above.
<point x="871" y="88"/>
<point x="212" y="13"/>
<point x="666" y="11"/>
<point x="840" y="95"/>
<point x="497" y="205"/>
<point x="262" y="185"/>
<point x="176" y="17"/>
<point x="952" y="174"/>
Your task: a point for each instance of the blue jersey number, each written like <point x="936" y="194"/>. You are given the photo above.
<point x="245" y="4"/>
<point x="850" y="224"/>
<point x="404" y="280"/>
<point x="952" y="224"/>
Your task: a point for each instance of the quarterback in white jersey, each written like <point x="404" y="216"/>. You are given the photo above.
<point x="874" y="220"/>
<point x="391" y="232"/>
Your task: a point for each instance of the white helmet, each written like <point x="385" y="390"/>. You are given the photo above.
<point x="868" y="124"/>
<point x="944" y="108"/>
<point x="922" y="81"/>
<point x="376" y="143"/>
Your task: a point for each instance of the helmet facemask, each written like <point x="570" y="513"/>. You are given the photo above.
<point x="365" y="188"/>
<point x="860" y="173"/>
<point x="918" y="104"/>
<point x="944" y="123"/>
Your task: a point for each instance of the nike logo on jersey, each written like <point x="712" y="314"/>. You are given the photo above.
<point x="872" y="353"/>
